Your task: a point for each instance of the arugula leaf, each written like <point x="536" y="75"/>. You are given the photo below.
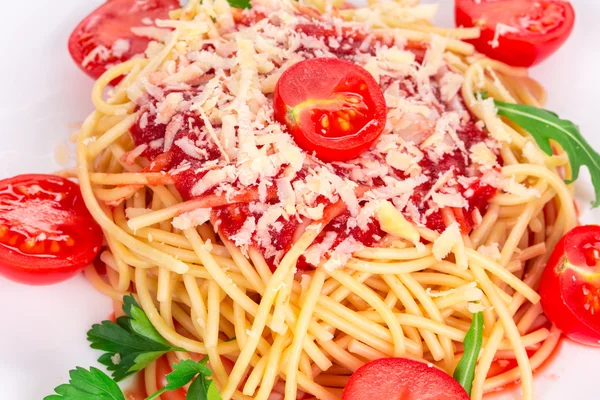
<point x="465" y="370"/>
<point x="544" y="126"/>
<point x="130" y="344"/>
<point x="84" y="384"/>
<point x="183" y="373"/>
<point x="240" y="3"/>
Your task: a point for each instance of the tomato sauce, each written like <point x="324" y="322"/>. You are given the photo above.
<point x="137" y="390"/>
<point x="230" y="219"/>
<point x="351" y="42"/>
<point x="507" y="365"/>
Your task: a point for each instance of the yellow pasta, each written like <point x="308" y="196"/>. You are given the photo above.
<point x="293" y="329"/>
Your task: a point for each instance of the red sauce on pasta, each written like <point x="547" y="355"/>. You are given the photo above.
<point x="187" y="164"/>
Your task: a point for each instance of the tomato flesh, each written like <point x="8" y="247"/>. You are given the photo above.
<point x="331" y="107"/>
<point x="401" y="379"/>
<point x="46" y="233"/>
<point x="521" y="33"/>
<point x="104" y="38"/>
<point x="570" y="285"/>
<point x="162" y="370"/>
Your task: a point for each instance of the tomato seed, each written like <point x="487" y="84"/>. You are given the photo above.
<point x="13" y="240"/>
<point x="54" y="247"/>
<point x="345" y="125"/>
<point x="28" y="244"/>
<point x="343" y="115"/>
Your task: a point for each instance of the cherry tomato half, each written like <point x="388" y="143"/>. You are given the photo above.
<point x="570" y="285"/>
<point x="46" y="233"/>
<point x="162" y="369"/>
<point x="402" y="379"/>
<point x="521" y="33"/>
<point x="104" y="37"/>
<point x="330" y="106"/>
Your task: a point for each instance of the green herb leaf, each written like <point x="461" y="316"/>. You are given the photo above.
<point x="465" y="370"/>
<point x="140" y="322"/>
<point x="95" y="384"/>
<point x="130" y="344"/>
<point x="213" y="392"/>
<point x="183" y="373"/>
<point x="203" y="389"/>
<point x="544" y="126"/>
<point x="84" y="384"/>
<point x="240" y="3"/>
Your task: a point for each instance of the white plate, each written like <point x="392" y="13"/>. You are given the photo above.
<point x="42" y="95"/>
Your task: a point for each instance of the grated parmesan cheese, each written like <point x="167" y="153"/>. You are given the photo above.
<point x="481" y="154"/>
<point x="490" y="251"/>
<point x="210" y="91"/>
<point x="393" y="222"/>
<point x="191" y="219"/>
<point x="446" y="241"/>
<point x="501" y="29"/>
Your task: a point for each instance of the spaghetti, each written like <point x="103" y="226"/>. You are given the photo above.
<point x="390" y="254"/>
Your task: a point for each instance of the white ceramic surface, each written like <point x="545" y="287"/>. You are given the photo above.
<point x="43" y="96"/>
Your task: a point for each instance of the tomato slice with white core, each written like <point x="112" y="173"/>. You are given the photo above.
<point x="331" y="107"/>
<point x="402" y="379"/>
<point x="521" y="33"/>
<point x="46" y="232"/>
<point x="104" y="38"/>
<point x="570" y="285"/>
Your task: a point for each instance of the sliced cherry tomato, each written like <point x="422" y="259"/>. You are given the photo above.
<point x="104" y="37"/>
<point x="518" y="32"/>
<point x="330" y="106"/>
<point x="570" y="285"/>
<point x="402" y="379"/>
<point x="162" y="370"/>
<point x="46" y="233"/>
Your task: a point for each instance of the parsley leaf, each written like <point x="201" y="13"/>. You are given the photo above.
<point x="95" y="384"/>
<point x="183" y="373"/>
<point x="140" y="322"/>
<point x="203" y="389"/>
<point x="240" y="3"/>
<point x="465" y="370"/>
<point x="130" y="344"/>
<point x="84" y="384"/>
<point x="544" y="126"/>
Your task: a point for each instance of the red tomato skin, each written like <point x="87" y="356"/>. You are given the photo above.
<point x="86" y="36"/>
<point x="309" y="78"/>
<point x="162" y="370"/>
<point x="558" y="286"/>
<point x="34" y="270"/>
<point x="402" y="379"/>
<point x="516" y="49"/>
